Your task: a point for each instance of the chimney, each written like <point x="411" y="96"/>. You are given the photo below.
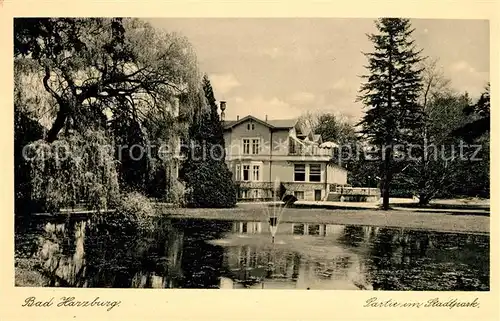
<point x="222" y="108"/>
<point x="238" y="117"/>
<point x="266" y="118"/>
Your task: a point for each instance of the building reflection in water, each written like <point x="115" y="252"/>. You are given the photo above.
<point x="247" y="227"/>
<point x="356" y="233"/>
<point x="288" y="228"/>
<point x="254" y="266"/>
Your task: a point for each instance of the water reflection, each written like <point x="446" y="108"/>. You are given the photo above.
<point x="255" y="267"/>
<point x="219" y="254"/>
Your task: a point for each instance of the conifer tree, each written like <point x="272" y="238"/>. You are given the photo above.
<point x="390" y="95"/>
<point x="208" y="179"/>
<point x="217" y="130"/>
<point x="481" y="125"/>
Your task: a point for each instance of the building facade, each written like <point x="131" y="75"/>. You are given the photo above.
<point x="264" y="154"/>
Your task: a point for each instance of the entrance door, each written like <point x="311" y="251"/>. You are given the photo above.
<point x="317" y="195"/>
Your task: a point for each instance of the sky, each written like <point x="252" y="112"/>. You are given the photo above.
<point x="284" y="67"/>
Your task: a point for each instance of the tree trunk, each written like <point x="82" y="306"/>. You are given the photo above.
<point x="386" y="180"/>
<point x="423" y="199"/>
<point x="58" y="125"/>
<point x="387" y="149"/>
<point x="385" y="196"/>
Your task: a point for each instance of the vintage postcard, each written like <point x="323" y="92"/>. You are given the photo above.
<point x="323" y="160"/>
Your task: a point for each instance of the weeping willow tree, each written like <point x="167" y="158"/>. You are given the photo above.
<point x="104" y="81"/>
<point x="79" y="167"/>
<point x="26" y="130"/>
<point x="92" y="68"/>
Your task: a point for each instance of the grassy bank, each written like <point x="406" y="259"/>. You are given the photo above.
<point x="462" y="218"/>
<point x="437" y="221"/>
<point x="27" y="273"/>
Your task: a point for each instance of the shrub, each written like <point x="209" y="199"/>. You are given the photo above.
<point x="135" y="211"/>
<point x="282" y="191"/>
<point x="210" y="184"/>
<point x="289" y="199"/>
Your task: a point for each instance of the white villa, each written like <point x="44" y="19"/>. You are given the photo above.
<point x="261" y="152"/>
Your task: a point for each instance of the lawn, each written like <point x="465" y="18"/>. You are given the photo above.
<point x="449" y="221"/>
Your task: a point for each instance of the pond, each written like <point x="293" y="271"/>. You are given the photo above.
<point x="215" y="254"/>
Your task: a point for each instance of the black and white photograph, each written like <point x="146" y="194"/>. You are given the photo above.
<point x="252" y="153"/>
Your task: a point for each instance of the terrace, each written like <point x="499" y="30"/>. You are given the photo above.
<point x="297" y="148"/>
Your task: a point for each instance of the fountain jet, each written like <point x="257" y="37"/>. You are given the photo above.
<point x="275" y="215"/>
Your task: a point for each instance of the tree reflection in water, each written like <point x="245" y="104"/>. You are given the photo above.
<point x="423" y="261"/>
<point x="201" y="262"/>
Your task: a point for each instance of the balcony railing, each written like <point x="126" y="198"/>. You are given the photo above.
<point x="255" y="185"/>
<point x="343" y="190"/>
<point x="297" y="149"/>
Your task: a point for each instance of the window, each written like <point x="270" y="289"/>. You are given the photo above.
<point x="256" y="193"/>
<point x="299" y="195"/>
<point x="255" y="176"/>
<point x="250" y="126"/>
<point x="255" y="146"/>
<point x="298" y="229"/>
<point x="315" y="173"/>
<point x="244" y="194"/>
<point x="246" y="172"/>
<point x="314" y="229"/>
<point x="238" y="172"/>
<point x="300" y="172"/>
<point x="246" y="146"/>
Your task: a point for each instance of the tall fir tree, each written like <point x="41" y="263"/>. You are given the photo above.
<point x="217" y="129"/>
<point x="208" y="179"/>
<point x="390" y="95"/>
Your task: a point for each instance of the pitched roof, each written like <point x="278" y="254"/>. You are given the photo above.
<point x="282" y="123"/>
<point x="228" y="123"/>
<point x="272" y="123"/>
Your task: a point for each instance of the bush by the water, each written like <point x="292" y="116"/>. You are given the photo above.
<point x="134" y="210"/>
<point x="289" y="199"/>
<point x="209" y="184"/>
